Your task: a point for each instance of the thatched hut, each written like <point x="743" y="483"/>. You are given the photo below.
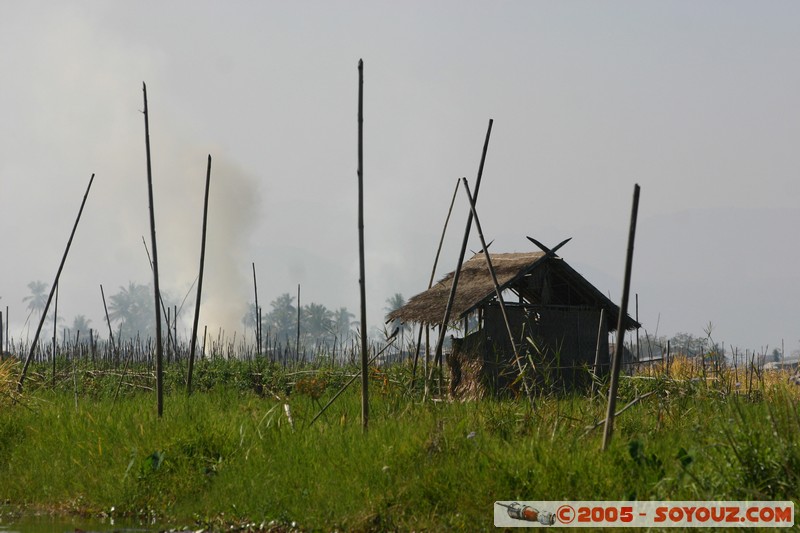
<point x="554" y="314"/>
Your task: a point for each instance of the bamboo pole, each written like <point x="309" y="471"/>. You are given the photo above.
<point x="596" y="369"/>
<point x="52" y="290"/>
<point x="638" y="350"/>
<point x="164" y="309"/>
<point x="108" y="321"/>
<point x="157" y="291"/>
<point x="497" y="290"/>
<point x="200" y="280"/>
<point x="623" y="312"/>
<point x="169" y="331"/>
<point x="449" y="308"/>
<point x="257" y="311"/>
<point x="297" y="342"/>
<point x="362" y="281"/>
<point x="389" y="342"/>
<point x="430" y="282"/>
<point x="55" y="335"/>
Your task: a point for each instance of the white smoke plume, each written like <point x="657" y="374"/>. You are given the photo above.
<point x="179" y="185"/>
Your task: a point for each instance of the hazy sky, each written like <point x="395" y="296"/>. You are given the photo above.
<point x="695" y="101"/>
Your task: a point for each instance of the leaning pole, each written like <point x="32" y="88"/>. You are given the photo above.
<point x="200" y="280"/>
<point x="621" y="323"/>
<point x="157" y="291"/>
<point x="52" y="290"/>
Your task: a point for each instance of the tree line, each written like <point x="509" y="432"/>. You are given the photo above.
<point x="130" y="311"/>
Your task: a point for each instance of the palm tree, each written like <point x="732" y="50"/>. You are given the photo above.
<point x="249" y="318"/>
<point x="80" y="327"/>
<point x="318" y="321"/>
<point x="38" y="297"/>
<point x="282" y="320"/>
<point x="132" y="308"/>
<point x="343" y="323"/>
<point x="394" y="303"/>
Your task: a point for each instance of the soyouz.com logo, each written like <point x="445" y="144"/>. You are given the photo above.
<point x="643" y="514"/>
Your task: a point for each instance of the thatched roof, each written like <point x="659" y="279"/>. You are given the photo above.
<point x="513" y="270"/>
<point x="474" y="284"/>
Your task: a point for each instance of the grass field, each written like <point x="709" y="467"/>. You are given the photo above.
<point x="229" y="456"/>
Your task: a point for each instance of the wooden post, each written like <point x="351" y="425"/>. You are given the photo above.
<point x="449" y="307"/>
<point x="497" y="290"/>
<point x="52" y="290"/>
<point x="157" y="291"/>
<point x="200" y="280"/>
<point x="621" y="323"/>
<point x="430" y="283"/>
<point x="389" y="342"/>
<point x="297" y="342"/>
<point x="600" y="330"/>
<point x="108" y="321"/>
<point x="361" y="280"/>
<point x="55" y="333"/>
<point x="257" y="312"/>
<point x="638" y="350"/>
<point x="169" y="329"/>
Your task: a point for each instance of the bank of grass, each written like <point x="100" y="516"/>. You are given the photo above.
<point x="228" y="455"/>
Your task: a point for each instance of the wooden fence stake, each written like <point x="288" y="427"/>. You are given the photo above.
<point x="497" y="290"/>
<point x="297" y="341"/>
<point x="55" y="338"/>
<point x="108" y="321"/>
<point x="257" y="311"/>
<point x="52" y="290"/>
<point x="596" y="368"/>
<point x="621" y="323"/>
<point x="361" y="280"/>
<point x="430" y="283"/>
<point x="448" y="309"/>
<point x="200" y="280"/>
<point x="159" y="346"/>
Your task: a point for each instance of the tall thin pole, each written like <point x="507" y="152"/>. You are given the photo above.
<point x="361" y="281"/>
<point x="52" y="290"/>
<point x="623" y="313"/>
<point x="297" y="341"/>
<point x="200" y="280"/>
<point x="164" y="308"/>
<point x="497" y="290"/>
<point x="449" y="308"/>
<point x="55" y="335"/>
<point x="157" y="296"/>
<point x="257" y="312"/>
<point x="638" y="350"/>
<point x="430" y="283"/>
<point x="600" y="330"/>
<point x="108" y="321"/>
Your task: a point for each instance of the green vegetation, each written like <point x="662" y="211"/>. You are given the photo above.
<point x="228" y="455"/>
